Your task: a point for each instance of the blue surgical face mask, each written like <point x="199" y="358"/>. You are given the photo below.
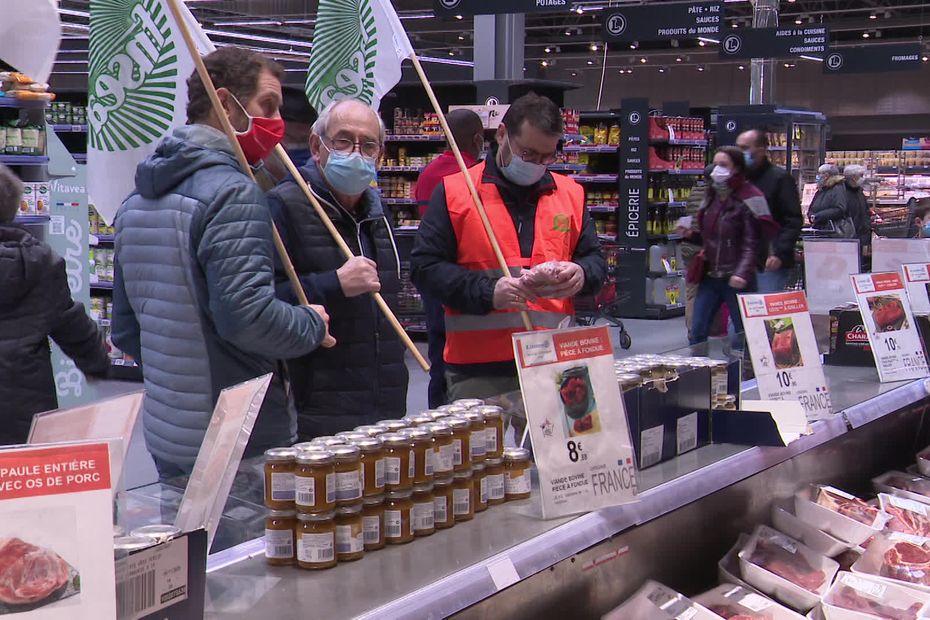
<point x="747" y="156"/>
<point x="925" y="230"/>
<point x="348" y="174"/>
<point x="819" y="179"/>
<point x="520" y="171"/>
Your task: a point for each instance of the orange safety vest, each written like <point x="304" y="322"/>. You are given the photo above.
<point x="475" y="339"/>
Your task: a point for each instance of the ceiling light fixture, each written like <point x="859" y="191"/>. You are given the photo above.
<point x="548" y="50"/>
<point x="702" y="43"/>
<point x="594" y="47"/>
<point x="865" y="35"/>
<point x="661" y="69"/>
<point x="462" y="38"/>
<point x="568" y="33"/>
<point x="634" y="45"/>
<point x="798" y="20"/>
<point x="643" y="60"/>
<point x="700" y="67"/>
<point x="459" y="17"/>
<point x="590" y="62"/>
<point x="741" y="67"/>
<point x="678" y="59"/>
<point x="545" y="63"/>
<point x="873" y="16"/>
<point x="579" y="10"/>
<point x="924" y="58"/>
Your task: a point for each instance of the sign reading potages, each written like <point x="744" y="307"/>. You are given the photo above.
<point x="576" y="418"/>
<point x="497" y="7"/>
<point x="784" y="351"/>
<point x="873" y="59"/>
<point x="686" y="20"/>
<point x="889" y="323"/>
<point x="776" y="42"/>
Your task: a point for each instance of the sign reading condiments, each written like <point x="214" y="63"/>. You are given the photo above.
<point x="686" y="20"/>
<point x="889" y="323"/>
<point x="784" y="351"/>
<point x="576" y="418"/>
<point x="776" y="42"/>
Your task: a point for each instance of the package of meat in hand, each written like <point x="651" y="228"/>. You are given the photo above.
<point x="733" y="602"/>
<point x="897" y="558"/>
<point x="902" y="484"/>
<point x="544" y="278"/>
<point x="785" y="569"/>
<point x="838" y="513"/>
<point x="861" y="597"/>
<point x="907" y="516"/>
<point x="923" y="461"/>
<point x="658" y="602"/>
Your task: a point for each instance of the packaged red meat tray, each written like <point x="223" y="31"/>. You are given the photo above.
<point x="838" y="513"/>
<point x="728" y="570"/>
<point x="733" y="602"/>
<point x="901" y="484"/>
<point x="861" y="597"/>
<point x="785" y="569"/>
<point x="907" y="515"/>
<point x="785" y="521"/>
<point x="923" y="462"/>
<point x="897" y="558"/>
<point x="655" y="601"/>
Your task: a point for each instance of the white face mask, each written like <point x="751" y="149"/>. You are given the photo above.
<point x="720" y="175"/>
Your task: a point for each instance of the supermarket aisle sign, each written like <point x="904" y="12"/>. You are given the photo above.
<point x="673" y="21"/>
<point x="889" y="323"/>
<point x="873" y="59"/>
<point x="784" y="351"/>
<point x="795" y="42"/>
<point x="577" y="422"/>
<point x="917" y="282"/>
<point x="497" y="7"/>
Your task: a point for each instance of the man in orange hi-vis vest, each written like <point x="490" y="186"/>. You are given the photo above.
<point x="539" y="219"/>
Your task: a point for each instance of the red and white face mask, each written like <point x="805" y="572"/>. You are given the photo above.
<point x="260" y="137"/>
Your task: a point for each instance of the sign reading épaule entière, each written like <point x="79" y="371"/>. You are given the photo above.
<point x="634" y="169"/>
<point x="776" y="42"/>
<point x="663" y="22"/>
<point x="496" y="7"/>
<point x="873" y="59"/>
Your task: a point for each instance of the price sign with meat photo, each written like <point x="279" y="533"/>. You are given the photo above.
<point x="784" y="352"/>
<point x="889" y="323"/>
<point x="56" y="533"/>
<point x="576" y="419"/>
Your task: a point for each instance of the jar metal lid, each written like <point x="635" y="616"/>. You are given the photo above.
<point x="400" y="494"/>
<point x="417" y="434"/>
<point x="465" y="473"/>
<point x="370" y="429"/>
<point x="629" y="377"/>
<point x="457" y="423"/>
<point x="438" y="415"/>
<point x="315" y="516"/>
<point x="158" y="532"/>
<point x="477" y="468"/>
<point x="349" y="509"/>
<point x="373" y="500"/>
<point x="282" y="514"/>
<point x="421" y="420"/>
<point x="468" y="403"/>
<point x="452" y="409"/>
<point x="439" y="429"/>
<point x="303" y="445"/>
<point x="493" y="462"/>
<point x="473" y="416"/>
<point x="315" y="457"/>
<point x="396" y="439"/>
<point x="442" y="482"/>
<point x="131" y="543"/>
<point x="424" y="487"/>
<point x="516" y="454"/>
<point x="280" y="454"/>
<point x="349" y="436"/>
<point x="328" y="441"/>
<point x="368" y="444"/>
<point x="490" y="411"/>
<point x="392" y="425"/>
<point x="346" y="453"/>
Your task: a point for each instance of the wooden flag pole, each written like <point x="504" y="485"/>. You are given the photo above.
<point x="207" y="81"/>
<point x="468" y="180"/>
<point x="347" y="252"/>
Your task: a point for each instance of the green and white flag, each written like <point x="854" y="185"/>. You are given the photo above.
<point x="138" y="72"/>
<point x="358" y="47"/>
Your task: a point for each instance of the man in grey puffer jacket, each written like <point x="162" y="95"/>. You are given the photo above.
<point x="194" y="296"/>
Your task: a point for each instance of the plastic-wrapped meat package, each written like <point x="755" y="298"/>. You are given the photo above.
<point x="848" y="598"/>
<point x="846" y="505"/>
<point x="732" y="613"/>
<point x="907" y="482"/>
<point x="856" y="595"/>
<point x="775" y="557"/>
<point x="906" y="561"/>
<point x="907" y="516"/>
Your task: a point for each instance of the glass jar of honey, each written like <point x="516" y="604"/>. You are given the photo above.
<point x="462" y="507"/>
<point x="493" y="430"/>
<point x="478" y="438"/>
<point x="348" y="474"/>
<point x="516" y="473"/>
<point x="350" y="537"/>
<point x="423" y="513"/>
<point x="280" y="542"/>
<point x="398" y="462"/>
<point x="719" y="387"/>
<point x="316" y="540"/>
<point x="468" y="403"/>
<point x="392" y="426"/>
<point x="373" y="522"/>
<point x="479" y="481"/>
<point x="442" y="503"/>
<point x="398" y="524"/>
<point x="494" y="477"/>
<point x="422" y="441"/>
<point x="315" y="481"/>
<point x="372" y="458"/>
<point x="443" y="452"/>
<point x="279" y="478"/>
<point x="461" y="442"/>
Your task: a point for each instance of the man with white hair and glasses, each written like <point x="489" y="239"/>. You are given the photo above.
<point x="363" y="378"/>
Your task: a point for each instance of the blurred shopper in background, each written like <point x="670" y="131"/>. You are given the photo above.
<point x="921" y="216"/>
<point x="829" y="211"/>
<point x="468" y="132"/>
<point x="35" y="305"/>
<point x="776" y="257"/>
<point x="363" y="379"/>
<point x="858" y="204"/>
<point x="193" y="293"/>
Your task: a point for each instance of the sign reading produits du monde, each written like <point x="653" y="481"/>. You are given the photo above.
<point x="807" y="41"/>
<point x="497" y="7"/>
<point x="686" y="20"/>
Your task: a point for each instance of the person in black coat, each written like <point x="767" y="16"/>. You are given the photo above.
<point x="858" y="204"/>
<point x="828" y="211"/>
<point x="363" y="378"/>
<point x="35" y="304"/>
